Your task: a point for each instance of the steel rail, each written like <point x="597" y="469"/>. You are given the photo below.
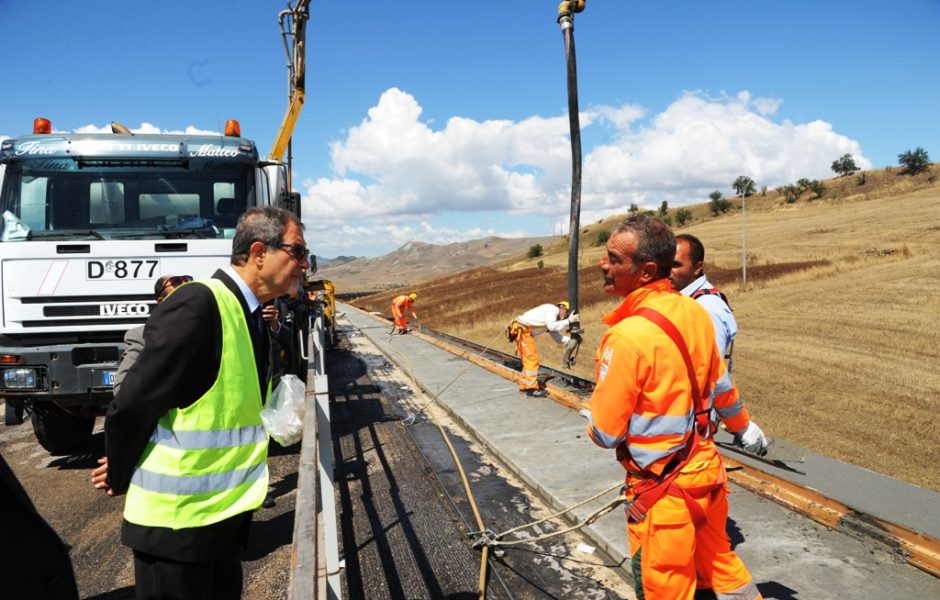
<point x="918" y="549"/>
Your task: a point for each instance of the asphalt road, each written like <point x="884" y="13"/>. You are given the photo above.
<point x="89" y="522"/>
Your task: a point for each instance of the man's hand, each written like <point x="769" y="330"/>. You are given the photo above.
<point x="100" y="474"/>
<point x="574" y="318"/>
<point x="752" y="439"/>
<point x="271" y="316"/>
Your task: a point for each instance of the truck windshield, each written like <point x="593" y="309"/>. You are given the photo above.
<point x="111" y="203"/>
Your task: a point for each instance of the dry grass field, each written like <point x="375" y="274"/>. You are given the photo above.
<point x="839" y="342"/>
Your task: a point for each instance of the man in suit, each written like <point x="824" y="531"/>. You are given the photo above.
<point x="183" y="437"/>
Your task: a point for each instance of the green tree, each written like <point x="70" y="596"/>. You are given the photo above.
<point x="602" y="237"/>
<point x="633" y="208"/>
<point x="914" y="161"/>
<point x="663" y="209"/>
<point x="790" y="193"/>
<point x="683" y="216"/>
<point x="817" y="187"/>
<point x="715" y="204"/>
<point x="535" y="251"/>
<point x="844" y="165"/>
<point x="744" y="186"/>
<point x="803" y="184"/>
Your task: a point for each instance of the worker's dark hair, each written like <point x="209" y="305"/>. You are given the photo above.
<point x="158" y="286"/>
<point x="696" y="249"/>
<point x="655" y="242"/>
<point x="265" y="224"/>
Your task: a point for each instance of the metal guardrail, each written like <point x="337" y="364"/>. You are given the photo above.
<point x="315" y="564"/>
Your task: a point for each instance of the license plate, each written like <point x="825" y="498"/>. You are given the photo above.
<point x="122" y="268"/>
<point x="107" y="377"/>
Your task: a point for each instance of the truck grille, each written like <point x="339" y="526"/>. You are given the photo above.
<point x="92" y="310"/>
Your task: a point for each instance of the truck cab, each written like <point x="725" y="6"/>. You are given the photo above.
<point x="88" y="222"/>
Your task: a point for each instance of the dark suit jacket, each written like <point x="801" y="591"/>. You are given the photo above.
<point x="179" y="362"/>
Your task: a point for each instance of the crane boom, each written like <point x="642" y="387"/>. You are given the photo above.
<point x="293" y="22"/>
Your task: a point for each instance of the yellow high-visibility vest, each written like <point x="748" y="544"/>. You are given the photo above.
<point x="207" y="462"/>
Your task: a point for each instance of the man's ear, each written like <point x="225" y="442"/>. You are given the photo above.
<point x="257" y="250"/>
<point x="699" y="269"/>
<point x="648" y="272"/>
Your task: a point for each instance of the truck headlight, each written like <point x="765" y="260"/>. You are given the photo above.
<point x="20" y="378"/>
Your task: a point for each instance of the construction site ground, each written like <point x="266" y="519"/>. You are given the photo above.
<point x="544" y="445"/>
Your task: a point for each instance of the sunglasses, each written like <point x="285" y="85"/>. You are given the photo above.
<point x="170" y="283"/>
<point x="297" y="251"/>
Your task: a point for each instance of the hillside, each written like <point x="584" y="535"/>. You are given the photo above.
<point x="840" y="324"/>
<point x="417" y="261"/>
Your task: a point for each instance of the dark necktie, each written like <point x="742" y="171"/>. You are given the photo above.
<point x="259" y="337"/>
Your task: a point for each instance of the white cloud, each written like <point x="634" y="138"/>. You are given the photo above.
<point x="393" y="170"/>
<point x="700" y="144"/>
<point x="147" y="128"/>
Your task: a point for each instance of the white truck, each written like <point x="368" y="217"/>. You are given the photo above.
<point x="88" y="222"/>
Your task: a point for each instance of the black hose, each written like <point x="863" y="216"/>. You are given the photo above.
<point x="574" y="123"/>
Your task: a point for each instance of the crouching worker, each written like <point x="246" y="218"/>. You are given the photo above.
<point x="656" y="368"/>
<point x="402" y="306"/>
<point x="554" y="319"/>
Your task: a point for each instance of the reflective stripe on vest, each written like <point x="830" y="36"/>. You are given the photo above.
<point x="207" y="462"/>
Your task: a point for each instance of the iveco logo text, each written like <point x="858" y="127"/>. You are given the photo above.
<point x="121" y="310"/>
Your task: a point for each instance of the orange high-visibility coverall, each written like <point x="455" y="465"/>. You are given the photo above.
<point x="642" y="399"/>
<point x="541" y="319"/>
<point x="401" y="306"/>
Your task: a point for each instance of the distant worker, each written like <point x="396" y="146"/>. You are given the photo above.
<point x="134" y="337"/>
<point x="402" y="306"/>
<point x="656" y="367"/>
<point x="552" y="318"/>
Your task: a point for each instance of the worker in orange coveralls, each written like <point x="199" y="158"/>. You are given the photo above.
<point x="401" y="307"/>
<point x="551" y="318"/>
<point x="656" y="368"/>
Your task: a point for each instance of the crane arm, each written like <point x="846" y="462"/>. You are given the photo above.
<point x="293" y="23"/>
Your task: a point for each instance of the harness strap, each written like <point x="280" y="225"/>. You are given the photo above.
<point x="650" y="490"/>
<point x="711" y="292"/>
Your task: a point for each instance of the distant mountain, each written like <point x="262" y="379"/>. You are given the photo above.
<point x="323" y="261"/>
<point x="417" y="261"/>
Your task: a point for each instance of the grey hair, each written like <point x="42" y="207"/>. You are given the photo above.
<point x="265" y="224"/>
<point x="655" y="242"/>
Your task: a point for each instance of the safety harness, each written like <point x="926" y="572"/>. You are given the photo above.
<point x="711" y="292"/>
<point x="729" y="351"/>
<point x="650" y="490"/>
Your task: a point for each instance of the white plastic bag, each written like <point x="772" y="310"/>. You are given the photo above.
<point x="283" y="414"/>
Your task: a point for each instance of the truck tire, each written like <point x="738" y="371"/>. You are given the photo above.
<point x="58" y="431"/>
<point x="13" y="411"/>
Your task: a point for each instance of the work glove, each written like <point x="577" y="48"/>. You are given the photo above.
<point x="752" y="439"/>
<point x="571" y="350"/>
<point x="574" y="318"/>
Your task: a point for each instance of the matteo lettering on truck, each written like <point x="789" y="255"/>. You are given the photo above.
<point x="88" y="222"/>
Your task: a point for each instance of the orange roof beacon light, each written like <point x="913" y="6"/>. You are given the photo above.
<point x="233" y="128"/>
<point x="41" y="125"/>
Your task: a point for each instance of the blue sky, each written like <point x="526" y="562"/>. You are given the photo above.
<point x="442" y="121"/>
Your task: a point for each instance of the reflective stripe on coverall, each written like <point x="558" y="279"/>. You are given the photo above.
<point x="643" y="398"/>
<point x="401" y="306"/>
<point x="541" y="319"/>
<point x="529" y="353"/>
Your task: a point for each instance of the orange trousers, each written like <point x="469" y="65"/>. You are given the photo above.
<point x="668" y="551"/>
<point x="529" y="353"/>
<point x="401" y="319"/>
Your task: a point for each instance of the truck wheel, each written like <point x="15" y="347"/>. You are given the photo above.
<point x="13" y="411"/>
<point x="58" y="431"/>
